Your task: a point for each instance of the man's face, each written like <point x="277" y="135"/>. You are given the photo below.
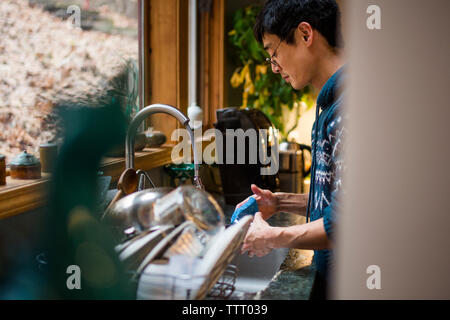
<point x="294" y="62"/>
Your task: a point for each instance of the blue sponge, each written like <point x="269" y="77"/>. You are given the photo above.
<point x="250" y="207"/>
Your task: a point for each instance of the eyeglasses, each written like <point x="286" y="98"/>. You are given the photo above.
<point x="270" y="60"/>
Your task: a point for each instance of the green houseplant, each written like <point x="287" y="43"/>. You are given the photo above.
<point x="262" y="89"/>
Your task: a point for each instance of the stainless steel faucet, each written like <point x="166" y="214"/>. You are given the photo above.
<point x="146" y="112"/>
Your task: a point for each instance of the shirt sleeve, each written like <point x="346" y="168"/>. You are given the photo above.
<point x="336" y="133"/>
<point x="329" y="216"/>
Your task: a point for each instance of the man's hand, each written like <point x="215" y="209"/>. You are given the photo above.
<point x="266" y="200"/>
<point x="259" y="240"/>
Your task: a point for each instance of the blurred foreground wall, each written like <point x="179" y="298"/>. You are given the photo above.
<point x="397" y="208"/>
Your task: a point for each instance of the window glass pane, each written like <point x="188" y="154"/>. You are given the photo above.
<point x="59" y="50"/>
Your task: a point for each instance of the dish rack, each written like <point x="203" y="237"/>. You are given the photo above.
<point x="225" y="286"/>
<point x="183" y="287"/>
<point x="181" y="277"/>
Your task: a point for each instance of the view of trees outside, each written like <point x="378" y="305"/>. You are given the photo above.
<point x="59" y="50"/>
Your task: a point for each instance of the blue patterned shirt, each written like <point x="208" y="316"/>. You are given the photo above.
<point x="327" y="162"/>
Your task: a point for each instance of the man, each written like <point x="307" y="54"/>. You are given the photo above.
<point x="302" y="39"/>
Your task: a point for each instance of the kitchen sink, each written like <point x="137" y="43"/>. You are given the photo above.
<point x="254" y="274"/>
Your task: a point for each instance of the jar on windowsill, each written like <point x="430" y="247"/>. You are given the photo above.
<point x="25" y="166"/>
<point x="2" y="170"/>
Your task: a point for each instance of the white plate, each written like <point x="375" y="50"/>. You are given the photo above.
<point x="134" y="253"/>
<point x="124" y="245"/>
<point x="224" y="242"/>
<point x="164" y="281"/>
<point x="162" y="245"/>
<point x="191" y="242"/>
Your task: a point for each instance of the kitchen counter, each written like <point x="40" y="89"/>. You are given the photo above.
<point x="295" y="278"/>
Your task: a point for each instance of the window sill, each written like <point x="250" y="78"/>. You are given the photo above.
<point x="19" y="196"/>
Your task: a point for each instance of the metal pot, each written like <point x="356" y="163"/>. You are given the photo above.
<point x="292" y="167"/>
<point x="292" y="157"/>
<point x="290" y="161"/>
<point x="132" y="210"/>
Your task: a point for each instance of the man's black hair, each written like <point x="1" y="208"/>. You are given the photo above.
<point x="280" y="17"/>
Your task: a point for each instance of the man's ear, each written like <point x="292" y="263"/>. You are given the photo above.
<point x="306" y="33"/>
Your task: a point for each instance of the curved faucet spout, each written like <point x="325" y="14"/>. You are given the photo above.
<point x="137" y="120"/>
<point x="143" y="114"/>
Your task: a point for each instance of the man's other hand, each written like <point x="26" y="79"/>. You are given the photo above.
<point x="267" y="201"/>
<point x="259" y="239"/>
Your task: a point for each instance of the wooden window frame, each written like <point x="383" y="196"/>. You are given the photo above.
<point x="165" y="59"/>
<point x="212" y="54"/>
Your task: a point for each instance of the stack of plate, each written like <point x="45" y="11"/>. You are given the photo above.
<point x="189" y="268"/>
<point x="134" y="251"/>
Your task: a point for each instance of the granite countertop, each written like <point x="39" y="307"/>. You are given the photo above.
<point x="295" y="278"/>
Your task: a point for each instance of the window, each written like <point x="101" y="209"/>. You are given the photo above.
<point x="54" y="50"/>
